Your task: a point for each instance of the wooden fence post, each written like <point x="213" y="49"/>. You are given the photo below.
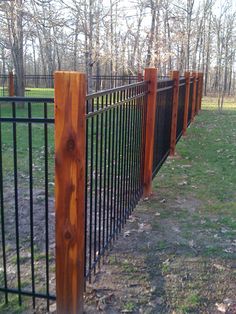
<point x="70" y="145"/>
<point x="200" y="84"/>
<point x="150" y="75"/>
<point x="194" y="75"/>
<point x="174" y="76"/>
<point x="11" y="84"/>
<point x="186" y="101"/>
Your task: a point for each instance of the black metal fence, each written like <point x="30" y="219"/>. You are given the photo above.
<point x="163" y="123"/>
<point x="3" y="85"/>
<point x="114" y="164"/>
<point x="27" y="238"/>
<point x="39" y="85"/>
<point x="115" y="128"/>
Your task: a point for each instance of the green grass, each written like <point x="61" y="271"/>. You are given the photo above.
<point x="22" y="141"/>
<point x="209" y="154"/>
<point x="39" y="92"/>
<point x="202" y="210"/>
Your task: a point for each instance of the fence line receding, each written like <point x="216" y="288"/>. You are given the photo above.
<point x="108" y="147"/>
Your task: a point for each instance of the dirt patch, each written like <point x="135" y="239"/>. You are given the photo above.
<point x="29" y="238"/>
<point x="160" y="264"/>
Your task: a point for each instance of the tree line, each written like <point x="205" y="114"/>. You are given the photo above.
<point x="115" y="37"/>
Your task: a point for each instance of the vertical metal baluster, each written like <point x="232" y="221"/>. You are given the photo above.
<point x="96" y="186"/>
<point x="16" y="203"/>
<point x="116" y="165"/>
<point x="86" y="199"/>
<point x="109" y="170"/>
<point x="133" y="137"/>
<point x="119" y="189"/>
<point x="122" y="163"/>
<point x="105" y="177"/>
<point x="100" y="181"/>
<point x="124" y="159"/>
<point x="91" y="196"/>
<point x="31" y="203"/>
<point x="3" y="218"/>
<point x="139" y="147"/>
<point x="133" y="148"/>
<point x="46" y="202"/>
<point x="130" y="153"/>
<point x="127" y="151"/>
<point x="139" y="140"/>
<point x="112" y="218"/>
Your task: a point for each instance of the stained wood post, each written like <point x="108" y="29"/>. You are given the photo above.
<point x="70" y="144"/>
<point x="11" y="84"/>
<point x="186" y="101"/>
<point x="150" y="75"/>
<point x="194" y="75"/>
<point x="200" y="84"/>
<point x="174" y="76"/>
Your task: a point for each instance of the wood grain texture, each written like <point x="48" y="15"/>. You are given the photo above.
<point x="70" y="144"/>
<point x="174" y="75"/>
<point x="193" y="113"/>
<point x="11" y="84"/>
<point x="186" y="101"/>
<point x="151" y="76"/>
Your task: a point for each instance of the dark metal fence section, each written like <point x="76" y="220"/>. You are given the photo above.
<point x="4" y="85"/>
<point x="39" y="85"/>
<point x="114" y="164"/>
<point x="181" y="102"/>
<point x="190" y="100"/>
<point x="163" y="123"/>
<point x="27" y="200"/>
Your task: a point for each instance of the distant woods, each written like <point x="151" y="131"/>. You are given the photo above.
<point x="115" y="37"/>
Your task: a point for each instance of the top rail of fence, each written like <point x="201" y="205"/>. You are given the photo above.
<point x="112" y="90"/>
<point x="27" y="99"/>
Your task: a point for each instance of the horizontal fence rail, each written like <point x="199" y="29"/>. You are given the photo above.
<point x="27" y="241"/>
<point x="103" y="150"/>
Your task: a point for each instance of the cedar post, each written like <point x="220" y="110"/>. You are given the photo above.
<point x="11" y="84"/>
<point x="70" y="145"/>
<point x="175" y="77"/>
<point x="186" y="101"/>
<point x="198" y="93"/>
<point x="193" y="113"/>
<point x="150" y="75"/>
<point x="200" y="83"/>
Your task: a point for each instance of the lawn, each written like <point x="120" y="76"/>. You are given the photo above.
<point x="177" y="253"/>
<point x="28" y="194"/>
